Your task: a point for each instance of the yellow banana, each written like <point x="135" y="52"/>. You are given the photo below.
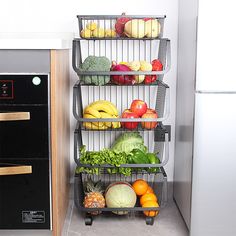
<point x="89" y="125"/>
<point x="92" y="111"/>
<point x="115" y="125"/>
<point x="106" y="106"/>
<point x="106" y="115"/>
<point x="92" y="117"/>
<point x="113" y="107"/>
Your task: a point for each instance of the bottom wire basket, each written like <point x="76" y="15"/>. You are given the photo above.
<point x="157" y="181"/>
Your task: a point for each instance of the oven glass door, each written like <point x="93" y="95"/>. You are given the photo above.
<point x="25" y="198"/>
<point x="24" y="132"/>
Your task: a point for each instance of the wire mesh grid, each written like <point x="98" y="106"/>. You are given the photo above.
<point x="120" y="26"/>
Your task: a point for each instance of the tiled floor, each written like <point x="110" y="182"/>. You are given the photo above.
<point x="168" y="223"/>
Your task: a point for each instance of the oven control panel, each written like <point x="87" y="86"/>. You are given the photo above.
<point x="6" y="89"/>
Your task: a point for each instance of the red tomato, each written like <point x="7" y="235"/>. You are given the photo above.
<point x="157" y="65"/>
<point x="150" y="79"/>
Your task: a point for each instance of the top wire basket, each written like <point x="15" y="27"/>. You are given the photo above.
<point x="121" y="26"/>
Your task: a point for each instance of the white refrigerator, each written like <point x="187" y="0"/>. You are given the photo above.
<point x="205" y="148"/>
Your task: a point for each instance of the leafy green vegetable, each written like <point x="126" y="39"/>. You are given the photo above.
<point x="128" y="141"/>
<point x="94" y="63"/>
<point x="105" y="156"/>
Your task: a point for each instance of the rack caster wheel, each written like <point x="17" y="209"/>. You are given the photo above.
<point x="88" y="220"/>
<point x="149" y="220"/>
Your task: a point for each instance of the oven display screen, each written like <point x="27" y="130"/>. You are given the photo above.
<point x="6" y="89"/>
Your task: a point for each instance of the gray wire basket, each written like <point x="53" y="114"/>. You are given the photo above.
<point x="113" y="26"/>
<point x="158" y="182"/>
<point x="157" y="98"/>
<point x="120" y="51"/>
<point x="157" y="141"/>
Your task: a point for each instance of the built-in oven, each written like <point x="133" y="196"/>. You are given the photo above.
<point x="25" y="179"/>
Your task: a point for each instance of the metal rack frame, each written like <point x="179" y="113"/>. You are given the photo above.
<point x="118" y="49"/>
<point x="108" y="21"/>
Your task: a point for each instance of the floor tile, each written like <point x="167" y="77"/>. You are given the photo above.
<point x="168" y="223"/>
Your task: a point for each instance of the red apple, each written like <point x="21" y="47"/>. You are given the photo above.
<point x="120" y="25"/>
<point x="139" y="107"/>
<point x="129" y="115"/>
<point x="149" y="114"/>
<point x="147" y="18"/>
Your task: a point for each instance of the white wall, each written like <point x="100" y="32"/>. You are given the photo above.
<point x="60" y="16"/>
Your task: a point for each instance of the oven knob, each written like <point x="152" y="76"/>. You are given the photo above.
<point x="36" y="80"/>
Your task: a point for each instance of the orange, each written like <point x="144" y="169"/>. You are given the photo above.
<point x="150" y="204"/>
<point x="149" y="190"/>
<point x="140" y="187"/>
<point x="148" y="197"/>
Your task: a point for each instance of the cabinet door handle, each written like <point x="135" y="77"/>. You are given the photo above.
<point x="15" y="170"/>
<point x="11" y="116"/>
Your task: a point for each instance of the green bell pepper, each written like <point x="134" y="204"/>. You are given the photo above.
<point x="136" y="156"/>
<point x="153" y="159"/>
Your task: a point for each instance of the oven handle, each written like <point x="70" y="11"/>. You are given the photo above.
<point x="11" y="116"/>
<point x="15" y="170"/>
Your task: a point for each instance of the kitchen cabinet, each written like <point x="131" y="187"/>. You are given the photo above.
<point x="29" y="62"/>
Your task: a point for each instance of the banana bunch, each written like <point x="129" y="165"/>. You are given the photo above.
<point x="101" y="109"/>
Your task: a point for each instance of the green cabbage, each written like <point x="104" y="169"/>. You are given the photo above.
<point x="128" y="141"/>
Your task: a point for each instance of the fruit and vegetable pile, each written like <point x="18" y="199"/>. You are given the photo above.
<point x="143" y="66"/>
<point x="101" y="109"/>
<point x="128" y="148"/>
<point x="139" y="109"/>
<point x="103" y="64"/>
<point x="123" y="27"/>
<point x="120" y="195"/>
<point x="104" y="109"/>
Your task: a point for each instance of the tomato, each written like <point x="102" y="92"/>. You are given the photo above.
<point x="150" y="79"/>
<point x="157" y="65"/>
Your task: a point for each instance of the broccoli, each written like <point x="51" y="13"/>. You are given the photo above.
<point x="93" y="63"/>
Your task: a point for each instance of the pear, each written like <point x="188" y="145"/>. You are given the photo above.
<point x="145" y="66"/>
<point x="91" y="25"/>
<point x="99" y="33"/>
<point x="139" y="78"/>
<point x="110" y="33"/>
<point x="135" y="28"/>
<point x="86" y="33"/>
<point x="134" y="65"/>
<point x="152" y="28"/>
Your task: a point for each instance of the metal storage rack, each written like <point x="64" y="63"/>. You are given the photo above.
<point x="156" y="95"/>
